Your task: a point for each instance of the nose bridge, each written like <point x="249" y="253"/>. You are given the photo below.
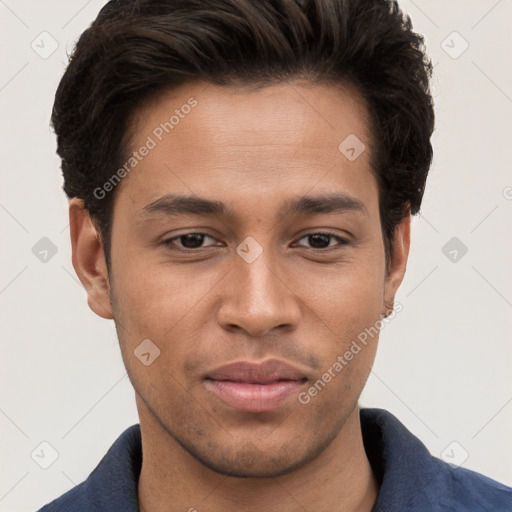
<point x="258" y="299"/>
<point x="260" y="280"/>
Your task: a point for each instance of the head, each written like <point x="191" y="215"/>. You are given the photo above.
<point x="299" y="133"/>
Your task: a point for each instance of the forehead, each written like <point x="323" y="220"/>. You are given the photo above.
<point x="253" y="113"/>
<point x="229" y="141"/>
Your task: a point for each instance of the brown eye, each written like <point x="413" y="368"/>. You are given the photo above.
<point x="188" y="240"/>
<point x="323" y="240"/>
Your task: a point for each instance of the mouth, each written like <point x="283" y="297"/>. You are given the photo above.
<point x="255" y="387"/>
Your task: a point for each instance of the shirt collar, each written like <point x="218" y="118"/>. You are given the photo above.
<point x="409" y="477"/>
<point x="401" y="462"/>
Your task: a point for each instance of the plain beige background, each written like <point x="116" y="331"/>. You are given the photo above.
<point x="443" y="366"/>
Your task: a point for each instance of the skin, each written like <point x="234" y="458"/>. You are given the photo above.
<point x="298" y="302"/>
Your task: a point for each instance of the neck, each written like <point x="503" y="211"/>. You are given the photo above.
<point x="171" y="479"/>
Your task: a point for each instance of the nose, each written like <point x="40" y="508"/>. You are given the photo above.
<point x="258" y="299"/>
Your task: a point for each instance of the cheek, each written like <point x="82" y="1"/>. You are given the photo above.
<point x="346" y="324"/>
<point x="349" y="297"/>
<point x="159" y="299"/>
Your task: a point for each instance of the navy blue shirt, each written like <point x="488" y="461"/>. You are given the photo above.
<point x="410" y="478"/>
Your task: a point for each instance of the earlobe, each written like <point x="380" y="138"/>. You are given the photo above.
<point x="88" y="259"/>
<point x="398" y="263"/>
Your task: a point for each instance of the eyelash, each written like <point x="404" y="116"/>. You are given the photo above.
<point x="341" y="241"/>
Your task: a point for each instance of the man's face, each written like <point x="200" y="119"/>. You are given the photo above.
<point x="257" y="283"/>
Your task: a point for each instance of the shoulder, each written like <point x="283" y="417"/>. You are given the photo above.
<point x="464" y="490"/>
<point x="112" y="485"/>
<point x="412" y="479"/>
<point x="74" y="500"/>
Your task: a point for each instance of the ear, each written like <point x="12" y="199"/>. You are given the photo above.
<point x="88" y="259"/>
<point x="398" y="263"/>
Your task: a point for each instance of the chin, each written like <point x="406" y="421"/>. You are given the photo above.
<point x="250" y="459"/>
<point x="251" y="463"/>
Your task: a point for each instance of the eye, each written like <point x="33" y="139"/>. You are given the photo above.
<point x="321" y="240"/>
<point x="189" y="240"/>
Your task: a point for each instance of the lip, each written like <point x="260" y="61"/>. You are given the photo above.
<point x="255" y="387"/>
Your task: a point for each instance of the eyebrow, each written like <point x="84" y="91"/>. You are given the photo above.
<point x="171" y="204"/>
